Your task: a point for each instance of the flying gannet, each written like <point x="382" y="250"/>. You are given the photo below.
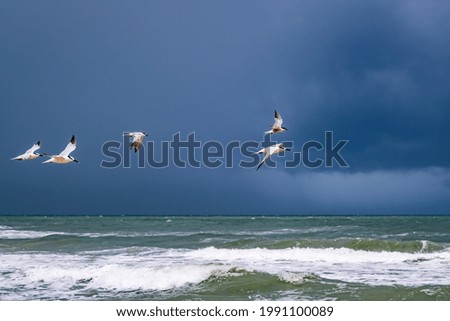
<point x="137" y="139"/>
<point x="276" y="127"/>
<point x="269" y="151"/>
<point x="64" y="157"/>
<point x="30" y="154"/>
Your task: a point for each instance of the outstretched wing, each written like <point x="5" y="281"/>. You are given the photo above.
<point x="20" y="157"/>
<point x="278" y="120"/>
<point x="34" y="148"/>
<point x="263" y="161"/>
<point x="70" y="147"/>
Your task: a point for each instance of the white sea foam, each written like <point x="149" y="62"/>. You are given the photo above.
<point x="7" y="233"/>
<point x="154" y="269"/>
<point x="292" y="277"/>
<point x="63" y="276"/>
<point x="374" y="268"/>
<point x="123" y="277"/>
<point x="10" y="233"/>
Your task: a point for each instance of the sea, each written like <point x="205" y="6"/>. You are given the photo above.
<point x="347" y="258"/>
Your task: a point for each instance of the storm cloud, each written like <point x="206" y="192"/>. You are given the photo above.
<point x="375" y="73"/>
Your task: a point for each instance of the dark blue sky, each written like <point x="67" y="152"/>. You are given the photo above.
<point x="376" y="73"/>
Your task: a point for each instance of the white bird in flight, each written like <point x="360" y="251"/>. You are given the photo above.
<point x="30" y="154"/>
<point x="64" y="157"/>
<point x="276" y="128"/>
<point x="269" y="151"/>
<point x="137" y="139"/>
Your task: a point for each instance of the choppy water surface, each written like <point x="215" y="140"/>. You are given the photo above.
<point x="225" y="258"/>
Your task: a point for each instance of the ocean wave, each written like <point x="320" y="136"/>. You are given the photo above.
<point x="125" y="277"/>
<point x="107" y="273"/>
<point x="67" y="276"/>
<point x="10" y="234"/>
<point x="415" y="246"/>
<point x="366" y="244"/>
<point x="347" y="265"/>
<point x="223" y="240"/>
<point x="331" y="255"/>
<point x="7" y="232"/>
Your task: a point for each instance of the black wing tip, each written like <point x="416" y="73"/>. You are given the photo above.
<point x="259" y="166"/>
<point x="38" y="143"/>
<point x="72" y="140"/>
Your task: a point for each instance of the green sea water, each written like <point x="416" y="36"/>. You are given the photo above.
<point x="225" y="258"/>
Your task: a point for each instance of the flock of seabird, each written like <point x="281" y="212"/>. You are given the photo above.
<point x="64" y="157"/>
